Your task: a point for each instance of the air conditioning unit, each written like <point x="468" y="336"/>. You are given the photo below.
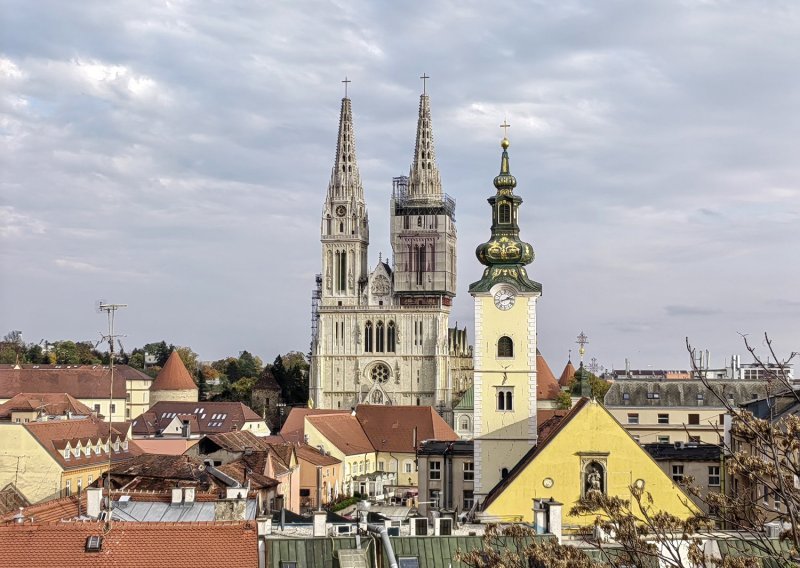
<point x="418" y="526"/>
<point x="442" y="526"/>
<point x="389" y="524"/>
<point x="342" y="530"/>
<point x="773" y="530"/>
<point x="393" y="531"/>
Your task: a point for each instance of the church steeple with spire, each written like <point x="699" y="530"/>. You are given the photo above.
<point x="424" y="180"/>
<point x="345" y="223"/>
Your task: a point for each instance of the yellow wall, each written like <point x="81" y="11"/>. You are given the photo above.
<point x="26" y="464"/>
<point x="138" y="397"/>
<point x="352" y="465"/>
<point x="393" y="462"/>
<point x="592" y="430"/>
<point x="503" y="437"/>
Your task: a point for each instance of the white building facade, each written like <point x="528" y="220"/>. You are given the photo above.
<point x="381" y="336"/>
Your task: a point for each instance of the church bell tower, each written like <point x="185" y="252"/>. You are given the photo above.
<point x="505" y="340"/>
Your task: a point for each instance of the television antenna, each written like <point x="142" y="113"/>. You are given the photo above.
<point x="111" y="311"/>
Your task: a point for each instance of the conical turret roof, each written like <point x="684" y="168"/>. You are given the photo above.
<point x="546" y="385"/>
<point x="173" y="376"/>
<point x="567" y="375"/>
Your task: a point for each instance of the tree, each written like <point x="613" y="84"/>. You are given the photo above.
<point x="189" y="359"/>
<point x="202" y="385"/>
<point x="564" y="400"/>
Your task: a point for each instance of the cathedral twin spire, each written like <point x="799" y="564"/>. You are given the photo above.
<point x="345" y="179"/>
<point x="424" y="178"/>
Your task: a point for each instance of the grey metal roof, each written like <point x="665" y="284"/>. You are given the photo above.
<point x="693" y="394"/>
<point x="687" y="452"/>
<point x="148" y="511"/>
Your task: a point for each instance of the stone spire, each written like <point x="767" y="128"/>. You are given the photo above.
<point x="424" y="180"/>
<point x="345" y="179"/>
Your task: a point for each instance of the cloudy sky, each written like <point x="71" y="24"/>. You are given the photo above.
<point x="175" y="155"/>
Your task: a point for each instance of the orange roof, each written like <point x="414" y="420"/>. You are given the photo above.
<point x="131" y="545"/>
<point x="546" y="386"/>
<point x="163" y="446"/>
<point x="391" y="428"/>
<point x="567" y="375"/>
<point x="294" y="426"/>
<point x="173" y="376"/>
<point x="54" y="436"/>
<point x="343" y="431"/>
<point x="81" y="381"/>
<point x="314" y="456"/>
<point x="51" y="511"/>
<point x="49" y="403"/>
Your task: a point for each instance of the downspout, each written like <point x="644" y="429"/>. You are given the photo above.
<point x="448" y="465"/>
<point x="387" y="544"/>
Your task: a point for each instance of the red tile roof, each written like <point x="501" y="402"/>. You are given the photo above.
<point x="50" y="403"/>
<point x="81" y="381"/>
<point x="204" y="417"/>
<point x="237" y="441"/>
<point x="173" y="376"/>
<point x="567" y="375"/>
<point x="343" y="431"/>
<point x="314" y="456"/>
<point x="131" y="545"/>
<point x="51" y="511"/>
<point x="54" y="435"/>
<point x="391" y="428"/>
<point x="294" y="426"/>
<point x="546" y="385"/>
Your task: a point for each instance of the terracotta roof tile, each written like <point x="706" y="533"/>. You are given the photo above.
<point x="54" y="436"/>
<point x="81" y="381"/>
<point x="294" y="426"/>
<point x="314" y="456"/>
<point x="391" y="428"/>
<point x="546" y="385"/>
<point x="50" y="404"/>
<point x="173" y="376"/>
<point x="204" y="417"/>
<point x="131" y="545"/>
<point x="343" y="431"/>
<point x="567" y="375"/>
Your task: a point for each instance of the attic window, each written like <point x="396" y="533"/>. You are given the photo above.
<point x="94" y="543"/>
<point x="653" y="395"/>
<point x="66" y="452"/>
<point x="626" y="396"/>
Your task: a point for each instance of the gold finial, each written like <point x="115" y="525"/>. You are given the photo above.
<point x="346" y="81"/>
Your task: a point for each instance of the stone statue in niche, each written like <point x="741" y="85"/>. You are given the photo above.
<point x="593" y="478"/>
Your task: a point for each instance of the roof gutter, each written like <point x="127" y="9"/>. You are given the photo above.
<point x="387" y="544"/>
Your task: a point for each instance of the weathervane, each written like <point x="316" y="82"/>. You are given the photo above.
<point x="583" y="340"/>
<point x="346" y="81"/>
<point x="424" y="78"/>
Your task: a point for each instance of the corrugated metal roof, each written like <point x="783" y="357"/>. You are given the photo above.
<point x="316" y="552"/>
<point x="148" y="511"/>
<point x="438" y="551"/>
<point x="467" y="401"/>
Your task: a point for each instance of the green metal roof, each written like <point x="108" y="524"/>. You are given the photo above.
<point x="312" y="552"/>
<point x="467" y="401"/>
<point x="738" y="547"/>
<point x="438" y="551"/>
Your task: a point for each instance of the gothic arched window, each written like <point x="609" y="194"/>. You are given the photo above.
<point x="419" y="221"/>
<point x="504" y="473"/>
<point x="505" y="347"/>
<point x="368" y="337"/>
<point x="501" y="400"/>
<point x="377" y="397"/>
<point x="379" y="344"/>
<point x="509" y="400"/>
<point x="505" y="399"/>
<point x="391" y="338"/>
<point x="504" y="215"/>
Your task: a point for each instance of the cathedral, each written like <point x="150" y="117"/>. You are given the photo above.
<point x="380" y="335"/>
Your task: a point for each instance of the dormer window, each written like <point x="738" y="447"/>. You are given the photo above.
<point x="125" y="445"/>
<point x="66" y="452"/>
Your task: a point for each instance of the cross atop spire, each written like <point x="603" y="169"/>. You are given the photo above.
<point x="583" y="340"/>
<point x="424" y="180"/>
<point x="505" y="126"/>
<point x="424" y="78"/>
<point x="345" y="180"/>
<point x="346" y="81"/>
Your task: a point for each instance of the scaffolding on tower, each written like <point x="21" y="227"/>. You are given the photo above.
<point x="316" y="296"/>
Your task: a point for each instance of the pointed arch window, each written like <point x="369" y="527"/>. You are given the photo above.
<point x="368" y="337"/>
<point x="504" y="213"/>
<point x="328" y="227"/>
<point x="341" y="268"/>
<point x="379" y="337"/>
<point x="505" y="347"/>
<point x="391" y="337"/>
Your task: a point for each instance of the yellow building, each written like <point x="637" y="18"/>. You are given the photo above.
<point x="56" y="458"/>
<point x="585" y="450"/>
<point x="505" y="379"/>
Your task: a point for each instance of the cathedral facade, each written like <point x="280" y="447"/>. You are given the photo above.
<point x="380" y="336"/>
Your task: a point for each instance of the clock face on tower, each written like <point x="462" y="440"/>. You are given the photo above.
<point x="504" y="298"/>
<point x="341" y="210"/>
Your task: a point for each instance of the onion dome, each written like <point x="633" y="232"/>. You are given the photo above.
<point x="504" y="254"/>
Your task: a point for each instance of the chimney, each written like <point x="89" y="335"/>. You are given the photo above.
<point x="554" y="513"/>
<point x="177" y="496"/>
<point x="94" y="501"/>
<point x="188" y="494"/>
<point x="186" y="429"/>
<point x="320" y="518"/>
